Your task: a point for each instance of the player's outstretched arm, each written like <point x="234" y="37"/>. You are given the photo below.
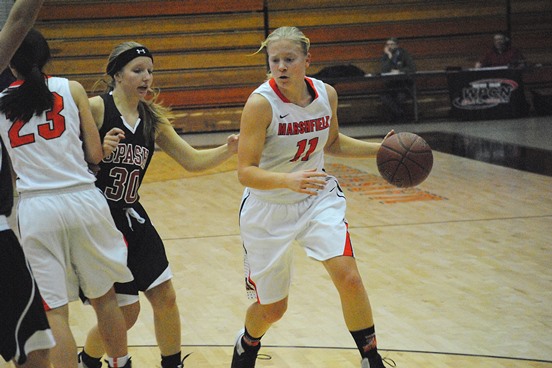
<point x="20" y="20"/>
<point x="190" y="158"/>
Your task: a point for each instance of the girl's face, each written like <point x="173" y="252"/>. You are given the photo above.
<point x="288" y="63"/>
<point x="136" y="77"/>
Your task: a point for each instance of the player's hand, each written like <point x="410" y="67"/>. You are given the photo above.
<point x="94" y="169"/>
<point x="391" y="132"/>
<point x="111" y="140"/>
<point x="232" y="142"/>
<point x="307" y="182"/>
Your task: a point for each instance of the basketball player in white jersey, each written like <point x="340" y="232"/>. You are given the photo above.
<point x="67" y="232"/>
<point x="287" y="126"/>
<point x="24" y="331"/>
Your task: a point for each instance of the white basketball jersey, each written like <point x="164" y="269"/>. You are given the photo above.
<point x="46" y="152"/>
<point x="295" y="138"/>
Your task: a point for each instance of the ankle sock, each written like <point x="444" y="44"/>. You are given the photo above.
<point x="366" y="342"/>
<point x="118" y="362"/>
<point x="249" y="341"/>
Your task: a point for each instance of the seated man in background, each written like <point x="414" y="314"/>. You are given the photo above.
<point x="502" y="54"/>
<point x="396" y="60"/>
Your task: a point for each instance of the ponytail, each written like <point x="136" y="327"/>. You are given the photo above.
<point x="32" y="97"/>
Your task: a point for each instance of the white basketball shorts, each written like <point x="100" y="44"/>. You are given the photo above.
<point x="268" y="231"/>
<point x="70" y="240"/>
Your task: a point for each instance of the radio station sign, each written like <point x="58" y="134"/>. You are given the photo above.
<point x="486" y="94"/>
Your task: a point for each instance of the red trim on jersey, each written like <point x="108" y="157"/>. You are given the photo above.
<point x="311" y="84"/>
<point x="46" y="306"/>
<point x="274" y="86"/>
<point x="348" y="250"/>
<point x="19" y="82"/>
<point x="276" y="90"/>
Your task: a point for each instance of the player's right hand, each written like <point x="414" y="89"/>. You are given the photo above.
<point x="111" y="140"/>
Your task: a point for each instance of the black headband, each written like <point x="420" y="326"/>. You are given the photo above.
<point x="125" y="57"/>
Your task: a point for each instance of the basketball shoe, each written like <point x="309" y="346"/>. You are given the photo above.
<point x="244" y="357"/>
<point x="81" y="363"/>
<point x="181" y="365"/>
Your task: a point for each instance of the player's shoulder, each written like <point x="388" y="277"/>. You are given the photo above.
<point x="57" y="82"/>
<point x="330" y="89"/>
<point x="258" y="101"/>
<point x="61" y="85"/>
<point x="75" y="85"/>
<point x="77" y="90"/>
<point x="97" y="107"/>
<point x="320" y="84"/>
<point x="257" y="98"/>
<point x="330" y="92"/>
<point x="96" y="101"/>
<point x="257" y="109"/>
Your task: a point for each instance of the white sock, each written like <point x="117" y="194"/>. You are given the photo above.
<point x="118" y="362"/>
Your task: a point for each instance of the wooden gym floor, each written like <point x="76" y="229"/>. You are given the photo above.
<point x="458" y="269"/>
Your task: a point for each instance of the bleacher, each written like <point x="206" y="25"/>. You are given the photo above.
<point x="203" y="49"/>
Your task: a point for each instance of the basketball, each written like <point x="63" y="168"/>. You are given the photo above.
<point x="404" y="159"/>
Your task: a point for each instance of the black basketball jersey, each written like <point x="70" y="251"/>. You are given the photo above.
<point x="122" y="172"/>
<point x="6" y="185"/>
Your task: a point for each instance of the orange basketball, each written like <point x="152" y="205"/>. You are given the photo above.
<point x="404" y="159"/>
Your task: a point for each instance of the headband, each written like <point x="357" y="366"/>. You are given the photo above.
<point x="125" y="57"/>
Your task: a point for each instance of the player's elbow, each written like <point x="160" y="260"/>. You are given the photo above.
<point x="242" y="177"/>
<point x="333" y="149"/>
<point x="245" y="175"/>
